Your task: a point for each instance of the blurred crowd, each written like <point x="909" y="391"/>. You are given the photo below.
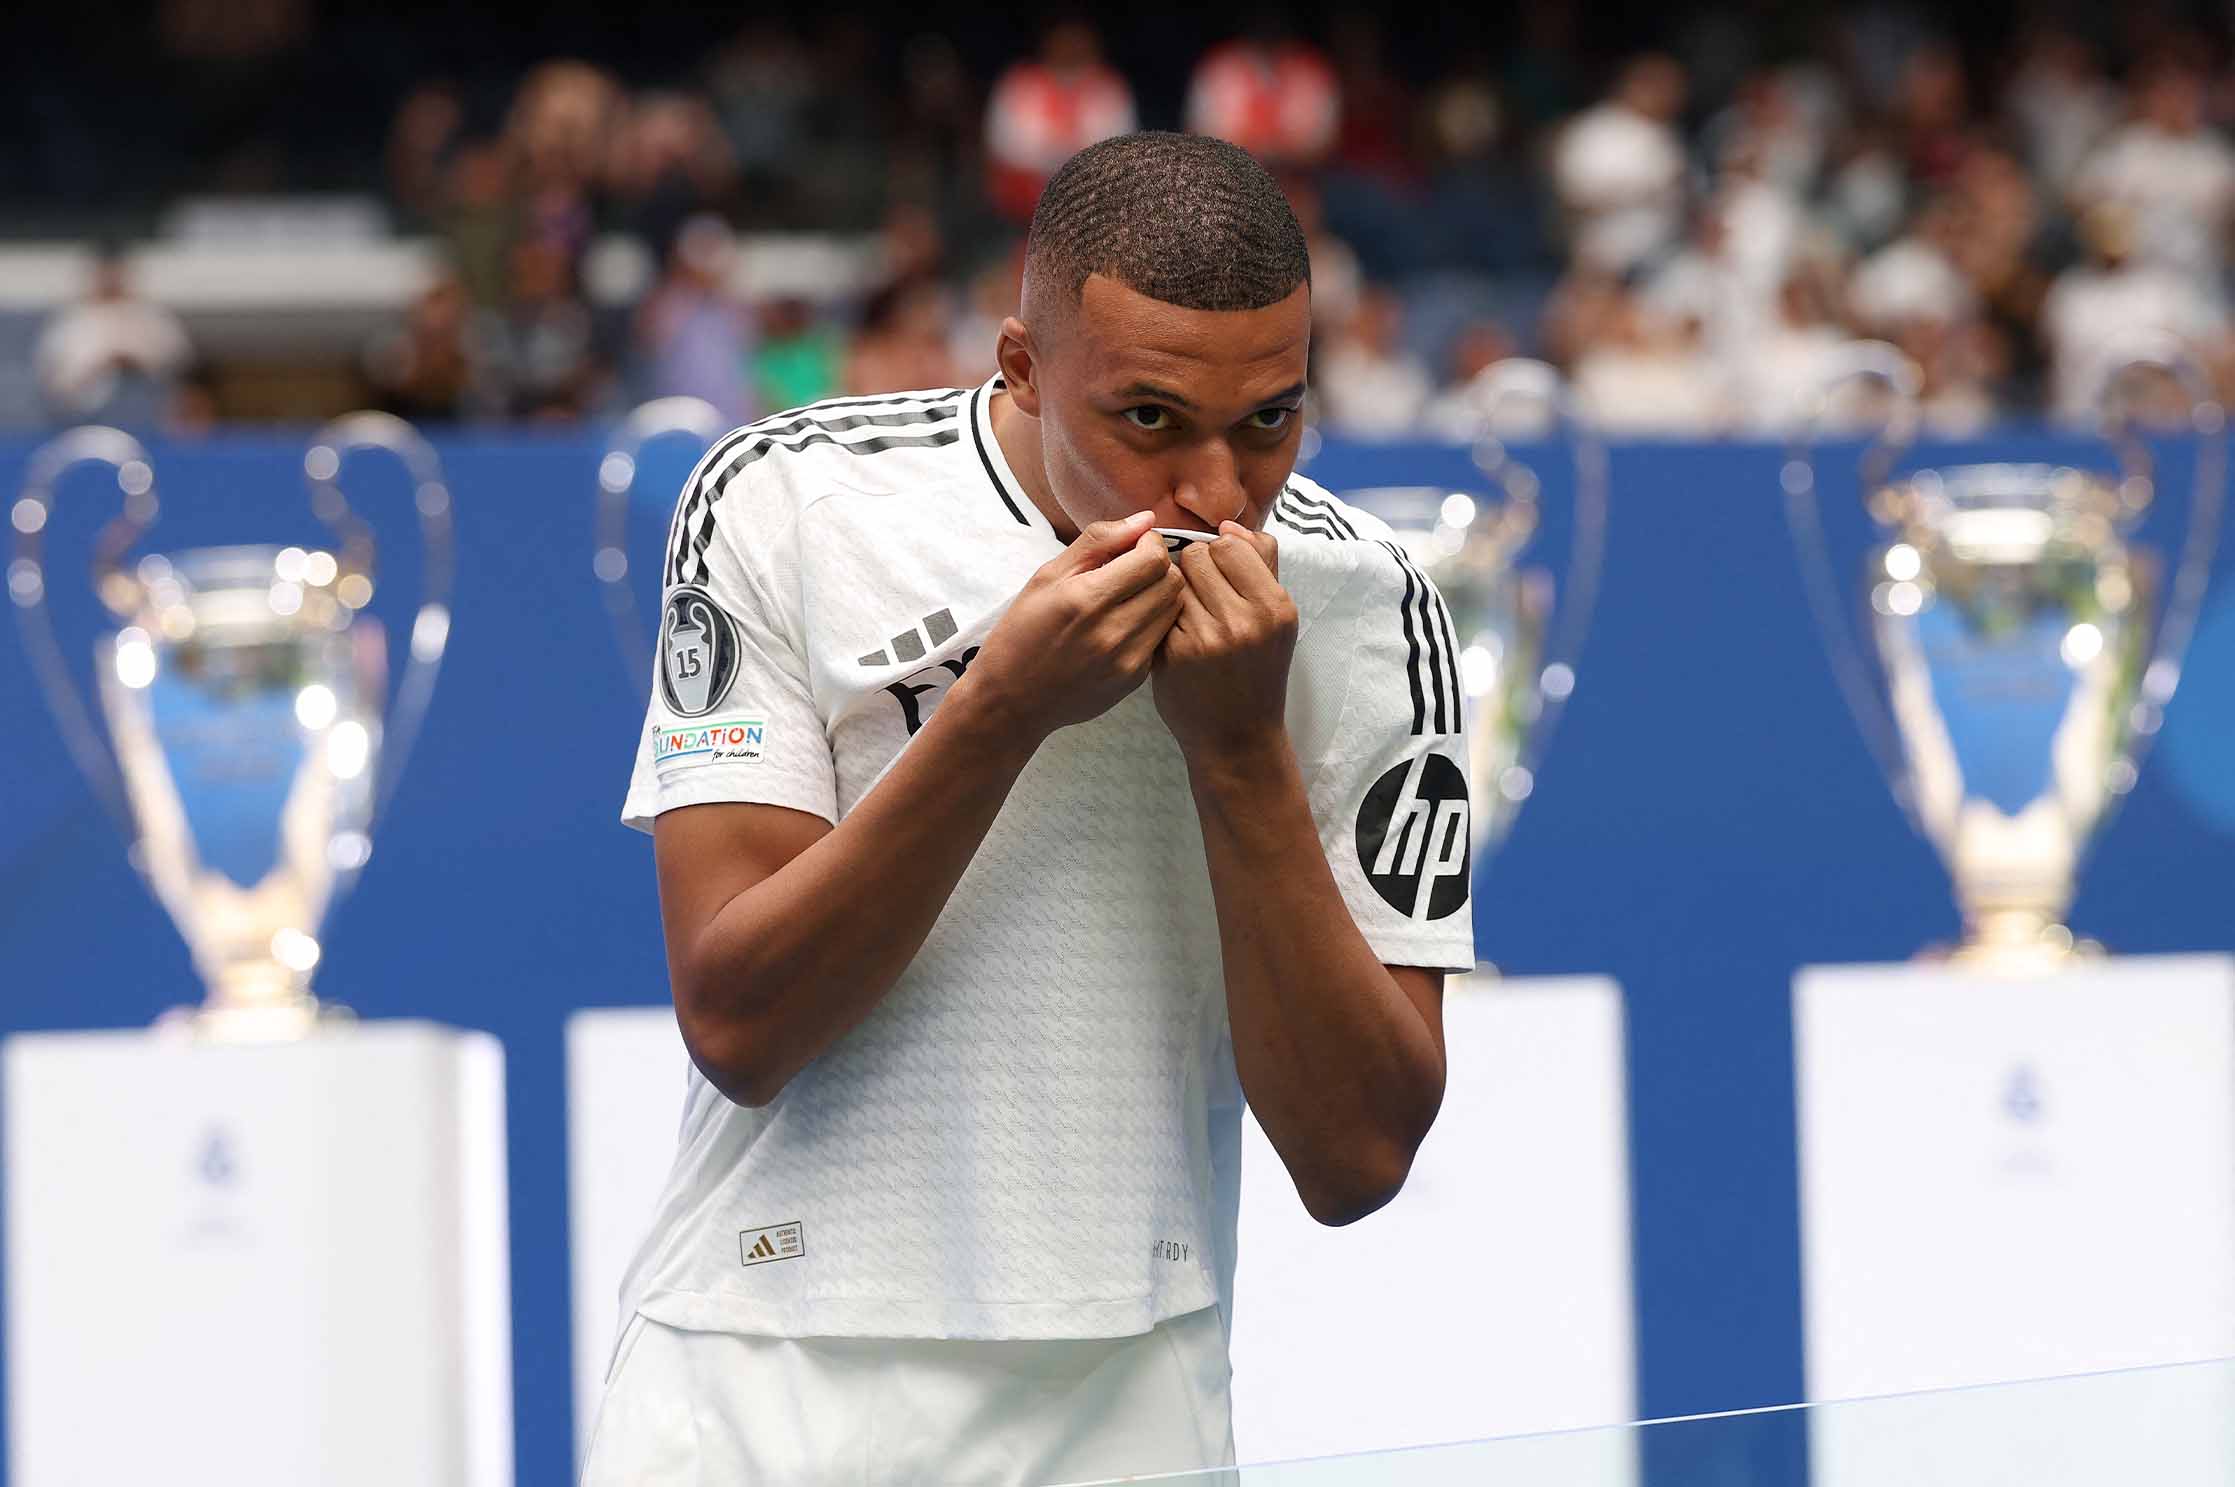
<point x="1691" y="234"/>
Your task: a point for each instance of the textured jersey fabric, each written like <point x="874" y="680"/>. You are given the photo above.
<point x="1031" y="1136"/>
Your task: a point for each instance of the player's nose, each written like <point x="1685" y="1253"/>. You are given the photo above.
<point x="1211" y="496"/>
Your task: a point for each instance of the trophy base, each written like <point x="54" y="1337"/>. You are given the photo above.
<point x="281" y="1021"/>
<point x="2015" y="942"/>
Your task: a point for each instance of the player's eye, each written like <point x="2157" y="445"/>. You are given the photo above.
<point x="1271" y="420"/>
<point x="1149" y="417"/>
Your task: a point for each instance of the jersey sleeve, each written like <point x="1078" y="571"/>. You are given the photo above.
<point x="732" y="716"/>
<point x="1390" y="791"/>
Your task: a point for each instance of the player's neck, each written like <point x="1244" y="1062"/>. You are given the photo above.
<point x="1018" y="434"/>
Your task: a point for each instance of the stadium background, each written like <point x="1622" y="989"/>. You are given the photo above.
<point x="1707" y="818"/>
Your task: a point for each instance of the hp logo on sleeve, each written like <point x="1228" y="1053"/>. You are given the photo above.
<point x="1413" y="840"/>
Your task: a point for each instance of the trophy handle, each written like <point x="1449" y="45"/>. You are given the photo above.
<point x="617" y="473"/>
<point x="1888" y="366"/>
<point x="117" y="590"/>
<point x="430" y="628"/>
<point x="1524" y="379"/>
<point x="2208" y="421"/>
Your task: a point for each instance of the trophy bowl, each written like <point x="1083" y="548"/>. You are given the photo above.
<point x="245" y="696"/>
<point x="619" y="471"/>
<point x="2019" y="645"/>
<point x="1519" y="630"/>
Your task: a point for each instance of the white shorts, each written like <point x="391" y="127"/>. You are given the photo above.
<point x="715" y="1407"/>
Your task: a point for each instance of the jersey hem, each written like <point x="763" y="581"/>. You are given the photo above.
<point x="973" y="1321"/>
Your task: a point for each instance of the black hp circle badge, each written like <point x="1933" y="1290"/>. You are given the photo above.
<point x="698" y="651"/>
<point x="1412" y="837"/>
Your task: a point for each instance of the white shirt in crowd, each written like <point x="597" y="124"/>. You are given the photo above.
<point x="2178" y="186"/>
<point x="1621" y="174"/>
<point x="89" y="346"/>
<point x="2092" y="317"/>
<point x="1035" y="1133"/>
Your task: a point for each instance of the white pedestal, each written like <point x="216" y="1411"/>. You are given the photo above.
<point x="2009" y="1179"/>
<point x="626" y="1072"/>
<point x="264" y="1265"/>
<point x="1493" y="1296"/>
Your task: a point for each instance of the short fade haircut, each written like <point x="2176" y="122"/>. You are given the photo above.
<point x="1185" y="219"/>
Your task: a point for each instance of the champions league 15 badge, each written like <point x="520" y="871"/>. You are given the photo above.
<point x="698" y="651"/>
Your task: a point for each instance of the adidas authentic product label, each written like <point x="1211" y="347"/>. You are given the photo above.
<point x="761" y="1246"/>
<point x="698" y="651"/>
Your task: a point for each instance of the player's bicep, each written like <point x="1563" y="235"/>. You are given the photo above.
<point x="708" y="855"/>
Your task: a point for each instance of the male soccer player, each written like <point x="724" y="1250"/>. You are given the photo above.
<point x="976" y="941"/>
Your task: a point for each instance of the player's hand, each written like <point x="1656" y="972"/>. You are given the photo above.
<point x="1222" y="672"/>
<point x="1084" y="631"/>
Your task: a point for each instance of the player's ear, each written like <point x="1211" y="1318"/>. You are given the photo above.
<point x="1019" y="366"/>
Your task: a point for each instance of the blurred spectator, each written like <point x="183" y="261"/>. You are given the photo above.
<point x="798" y="359"/>
<point x="993" y="296"/>
<point x="2062" y="104"/>
<point x="669" y="164"/>
<point x="1269" y="92"/>
<point x="2116" y="304"/>
<point x="112" y="357"/>
<point x="426" y="370"/>
<point x="694" y="337"/>
<point x="422" y="143"/>
<point x="2174" y="176"/>
<point x="1366" y="380"/>
<point x="1777" y="385"/>
<point x="1914" y="278"/>
<point x="903" y="341"/>
<point x="1619" y="168"/>
<point x="1933" y="114"/>
<point x="542" y="356"/>
<point x="763" y="84"/>
<point x="1645" y="373"/>
<point x="1045" y="110"/>
<point x="1466" y="409"/>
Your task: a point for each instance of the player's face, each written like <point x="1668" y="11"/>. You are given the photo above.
<point x="1192" y="414"/>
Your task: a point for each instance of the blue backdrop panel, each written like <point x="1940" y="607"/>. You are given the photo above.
<point x="1707" y="820"/>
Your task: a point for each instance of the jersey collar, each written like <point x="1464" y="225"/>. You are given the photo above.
<point x="1017" y="504"/>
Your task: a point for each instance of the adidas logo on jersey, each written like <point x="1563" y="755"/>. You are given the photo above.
<point x="910" y="644"/>
<point x="779" y="1242"/>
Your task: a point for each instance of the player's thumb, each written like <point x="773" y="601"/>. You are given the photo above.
<point x="1098" y="542"/>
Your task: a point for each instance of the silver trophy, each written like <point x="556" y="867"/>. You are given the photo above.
<point x="1519" y="632"/>
<point x="617" y="476"/>
<point x="244" y="691"/>
<point x="2021" y="645"/>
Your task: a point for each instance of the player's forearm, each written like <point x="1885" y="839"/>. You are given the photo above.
<point x="790" y="965"/>
<point x="1342" y="1071"/>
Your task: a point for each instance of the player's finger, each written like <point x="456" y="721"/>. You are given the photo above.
<point x="1209" y="581"/>
<point x="1267" y="545"/>
<point x="1099" y="542"/>
<point x="1241" y="558"/>
<point x="1124" y="576"/>
<point x="1153" y="607"/>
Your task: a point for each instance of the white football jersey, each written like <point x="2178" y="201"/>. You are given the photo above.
<point x="1033" y="1134"/>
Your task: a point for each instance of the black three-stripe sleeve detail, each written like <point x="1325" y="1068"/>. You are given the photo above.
<point x="1435" y="644"/>
<point x="1451" y="649"/>
<point x="1412" y="645"/>
<point x="979" y="439"/>
<point x="1301" y="522"/>
<point x="704" y="537"/>
<point x="1326" y="511"/>
<point x="686" y="510"/>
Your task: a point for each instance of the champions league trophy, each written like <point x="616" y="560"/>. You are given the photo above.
<point x="2020" y="646"/>
<point x="1516" y="654"/>
<point x="617" y="477"/>
<point x="243" y="692"/>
